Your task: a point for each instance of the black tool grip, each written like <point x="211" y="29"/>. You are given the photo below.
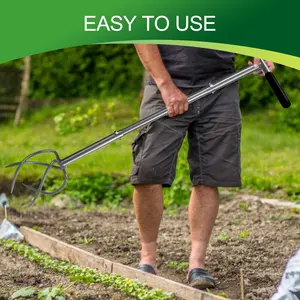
<point x="279" y="92"/>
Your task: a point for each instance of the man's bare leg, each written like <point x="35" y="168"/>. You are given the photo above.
<point x="148" y="207"/>
<point x="203" y="210"/>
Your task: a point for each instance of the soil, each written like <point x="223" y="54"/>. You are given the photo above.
<point x="273" y="236"/>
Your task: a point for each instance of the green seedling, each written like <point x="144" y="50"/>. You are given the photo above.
<point x="279" y="218"/>
<point x="55" y="293"/>
<point x="178" y="266"/>
<point x="223" y="237"/>
<point x="244" y="234"/>
<point x="86" y="275"/>
<point x="24" y="292"/>
<point x="236" y="222"/>
<point x="86" y="240"/>
<point x="222" y="294"/>
<point x="37" y="228"/>
<point x="244" y="206"/>
<point x="294" y="210"/>
<point x="49" y="293"/>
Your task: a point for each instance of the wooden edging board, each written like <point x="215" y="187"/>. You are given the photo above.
<point x="74" y="255"/>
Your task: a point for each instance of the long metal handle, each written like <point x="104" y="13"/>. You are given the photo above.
<point x="156" y="116"/>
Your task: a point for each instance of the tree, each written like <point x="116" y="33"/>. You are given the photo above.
<point x="24" y="91"/>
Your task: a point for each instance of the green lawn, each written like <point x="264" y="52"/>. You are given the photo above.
<point x="39" y="133"/>
<point x="270" y="159"/>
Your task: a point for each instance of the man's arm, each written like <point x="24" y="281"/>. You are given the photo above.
<point x="175" y="100"/>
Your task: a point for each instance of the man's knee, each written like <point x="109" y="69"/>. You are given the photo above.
<point x="205" y="188"/>
<point x="147" y="187"/>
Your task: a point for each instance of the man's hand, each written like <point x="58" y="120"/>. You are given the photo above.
<point x="257" y="61"/>
<point x="175" y="100"/>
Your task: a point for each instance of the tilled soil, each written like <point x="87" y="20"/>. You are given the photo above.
<point x="255" y="237"/>
<point x="17" y="272"/>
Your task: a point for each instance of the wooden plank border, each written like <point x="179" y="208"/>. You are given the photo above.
<point x="74" y="255"/>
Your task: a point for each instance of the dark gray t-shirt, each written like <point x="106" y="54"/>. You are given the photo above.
<point x="195" y="67"/>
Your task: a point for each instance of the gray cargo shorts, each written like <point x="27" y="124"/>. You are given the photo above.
<point x="213" y="125"/>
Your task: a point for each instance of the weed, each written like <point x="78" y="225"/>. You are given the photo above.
<point x="35" y="227"/>
<point x="236" y="222"/>
<point x="87" y="275"/>
<point x="178" y="266"/>
<point x="86" y="240"/>
<point x="223" y="237"/>
<point x="279" y="218"/>
<point x="222" y="294"/>
<point x="244" y="206"/>
<point x="294" y="210"/>
<point x="244" y="234"/>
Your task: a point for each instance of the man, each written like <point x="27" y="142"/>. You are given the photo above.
<point x="213" y="125"/>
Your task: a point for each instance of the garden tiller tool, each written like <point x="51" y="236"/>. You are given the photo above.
<point x="61" y="164"/>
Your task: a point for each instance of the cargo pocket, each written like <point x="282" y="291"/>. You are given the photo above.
<point x="137" y="150"/>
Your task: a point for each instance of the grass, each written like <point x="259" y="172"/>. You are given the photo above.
<point x="269" y="158"/>
<point x="270" y="163"/>
<point x="38" y="133"/>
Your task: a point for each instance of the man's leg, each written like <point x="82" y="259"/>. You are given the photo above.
<point x="214" y="159"/>
<point x="203" y="209"/>
<point x="148" y="207"/>
<point x="154" y="152"/>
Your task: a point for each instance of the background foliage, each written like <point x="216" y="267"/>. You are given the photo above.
<point x="95" y="72"/>
<point x="255" y="92"/>
<point x="89" y="71"/>
<point x="85" y="71"/>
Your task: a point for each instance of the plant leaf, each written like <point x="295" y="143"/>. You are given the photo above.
<point x="50" y="293"/>
<point x="42" y="294"/>
<point x="24" y="292"/>
<point x="55" y="291"/>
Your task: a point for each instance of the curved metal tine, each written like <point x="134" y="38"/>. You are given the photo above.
<point x="28" y="162"/>
<point x="53" y="192"/>
<point x="43" y="181"/>
<point x="25" y="159"/>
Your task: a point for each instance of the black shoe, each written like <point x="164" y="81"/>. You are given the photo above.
<point x="200" y="279"/>
<point x="147" y="268"/>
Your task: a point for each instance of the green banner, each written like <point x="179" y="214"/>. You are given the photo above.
<point x="268" y="28"/>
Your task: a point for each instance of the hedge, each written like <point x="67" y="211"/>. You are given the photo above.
<point x="89" y="71"/>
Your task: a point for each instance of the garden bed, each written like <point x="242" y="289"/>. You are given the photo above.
<point x="249" y="235"/>
<point x="17" y="272"/>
